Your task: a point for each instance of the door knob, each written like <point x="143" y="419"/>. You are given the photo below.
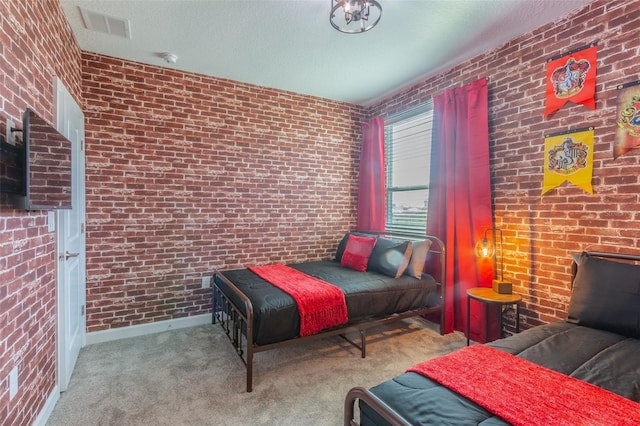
<point x="67" y="255"/>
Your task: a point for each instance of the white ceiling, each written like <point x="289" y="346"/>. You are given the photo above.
<point x="290" y="44"/>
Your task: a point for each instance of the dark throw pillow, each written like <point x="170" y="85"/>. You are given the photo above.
<point x="606" y="296"/>
<point x="390" y="257"/>
<point x="357" y="252"/>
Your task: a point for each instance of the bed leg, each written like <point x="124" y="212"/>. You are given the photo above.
<point x="250" y="355"/>
<point x="250" y="376"/>
<point x="213" y="304"/>
<point x="363" y="344"/>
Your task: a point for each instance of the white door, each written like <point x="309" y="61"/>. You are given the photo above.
<point x="70" y="238"/>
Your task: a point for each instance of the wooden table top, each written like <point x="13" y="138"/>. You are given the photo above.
<point x="486" y="294"/>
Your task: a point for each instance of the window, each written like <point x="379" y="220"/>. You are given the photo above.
<point x="407" y="158"/>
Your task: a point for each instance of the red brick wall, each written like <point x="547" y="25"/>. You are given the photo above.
<point x="36" y="45"/>
<point x="542" y="231"/>
<point x="186" y="174"/>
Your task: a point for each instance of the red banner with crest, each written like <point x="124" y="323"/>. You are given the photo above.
<point x="571" y="77"/>
<point x="628" y="120"/>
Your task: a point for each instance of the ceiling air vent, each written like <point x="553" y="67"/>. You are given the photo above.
<point x="105" y="24"/>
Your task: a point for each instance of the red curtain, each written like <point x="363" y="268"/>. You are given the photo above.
<point x="371" y="181"/>
<point x="460" y="201"/>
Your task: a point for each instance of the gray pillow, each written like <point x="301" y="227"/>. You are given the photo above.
<point x="390" y="257"/>
<point x="606" y="296"/>
<point x="418" y="257"/>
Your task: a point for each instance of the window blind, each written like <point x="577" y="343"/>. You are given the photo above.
<point x="408" y="158"/>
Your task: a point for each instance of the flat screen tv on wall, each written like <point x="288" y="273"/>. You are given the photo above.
<point x="45" y="157"/>
<point x="11" y="168"/>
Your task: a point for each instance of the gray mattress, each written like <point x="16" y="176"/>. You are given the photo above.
<point x="368" y="295"/>
<point x="599" y="357"/>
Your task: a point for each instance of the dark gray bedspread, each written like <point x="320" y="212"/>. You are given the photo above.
<point x="368" y="294"/>
<point x="602" y="358"/>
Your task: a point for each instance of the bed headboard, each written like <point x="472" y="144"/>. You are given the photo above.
<point x="618" y="257"/>
<point x="434" y="263"/>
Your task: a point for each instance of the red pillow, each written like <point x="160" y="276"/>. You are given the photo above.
<point x="357" y="252"/>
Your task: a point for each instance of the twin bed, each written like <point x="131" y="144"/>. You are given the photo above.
<point x="516" y="381"/>
<point x="259" y="316"/>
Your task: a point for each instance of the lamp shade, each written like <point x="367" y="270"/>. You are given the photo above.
<point x="488" y="248"/>
<point x="485" y="248"/>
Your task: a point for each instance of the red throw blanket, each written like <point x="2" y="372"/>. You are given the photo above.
<point x="321" y="305"/>
<point x="524" y="393"/>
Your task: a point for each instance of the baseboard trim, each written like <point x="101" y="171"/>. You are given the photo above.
<point x="49" y="405"/>
<point x="143" y="329"/>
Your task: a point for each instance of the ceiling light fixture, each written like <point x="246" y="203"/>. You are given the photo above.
<point x="359" y="15"/>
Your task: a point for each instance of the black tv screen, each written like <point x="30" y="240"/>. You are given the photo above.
<point x="11" y="168"/>
<point x="47" y="166"/>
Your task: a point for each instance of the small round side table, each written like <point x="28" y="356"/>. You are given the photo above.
<point x="488" y="296"/>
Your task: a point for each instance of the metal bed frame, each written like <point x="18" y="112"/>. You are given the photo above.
<point x="239" y="326"/>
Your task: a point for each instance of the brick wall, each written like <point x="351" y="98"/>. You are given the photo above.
<point x="542" y="231"/>
<point x="36" y="45"/>
<point x="186" y="174"/>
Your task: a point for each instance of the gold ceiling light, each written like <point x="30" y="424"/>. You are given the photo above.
<point x="354" y="16"/>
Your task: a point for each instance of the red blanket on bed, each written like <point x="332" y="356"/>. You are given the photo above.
<point x="524" y="393"/>
<point x="321" y="305"/>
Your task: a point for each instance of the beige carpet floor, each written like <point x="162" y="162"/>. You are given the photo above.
<point x="194" y="377"/>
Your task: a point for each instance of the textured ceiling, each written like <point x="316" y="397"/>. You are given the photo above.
<point x="290" y="44"/>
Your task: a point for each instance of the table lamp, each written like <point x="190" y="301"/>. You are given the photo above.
<point x="486" y="248"/>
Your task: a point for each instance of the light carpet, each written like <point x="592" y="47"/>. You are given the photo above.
<point x="194" y="377"/>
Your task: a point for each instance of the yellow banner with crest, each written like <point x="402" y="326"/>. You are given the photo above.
<point x="568" y="156"/>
